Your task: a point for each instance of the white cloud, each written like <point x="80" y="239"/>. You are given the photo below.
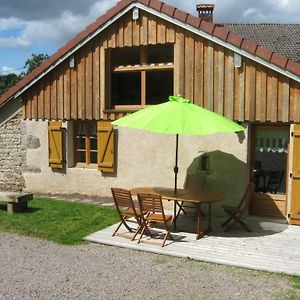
<point x="55" y="31"/>
<point x="9" y="23"/>
<point x="5" y="70"/>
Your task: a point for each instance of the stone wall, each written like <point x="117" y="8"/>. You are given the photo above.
<point x="12" y="153"/>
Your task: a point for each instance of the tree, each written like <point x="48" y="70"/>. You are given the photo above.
<point x="34" y="61"/>
<point x="7" y="81"/>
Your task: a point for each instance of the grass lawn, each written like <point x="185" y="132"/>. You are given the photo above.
<point x="59" y="221"/>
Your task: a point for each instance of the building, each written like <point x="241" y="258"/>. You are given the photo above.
<point x="137" y="54"/>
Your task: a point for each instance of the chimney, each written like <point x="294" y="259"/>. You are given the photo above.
<point x="205" y="11"/>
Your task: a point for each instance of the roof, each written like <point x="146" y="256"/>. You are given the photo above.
<point x="172" y="14"/>
<point x="281" y="38"/>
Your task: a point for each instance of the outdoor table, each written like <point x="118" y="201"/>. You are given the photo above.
<point x="197" y="198"/>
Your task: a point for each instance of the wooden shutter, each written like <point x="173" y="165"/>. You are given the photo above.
<point x="105" y="136"/>
<point x="55" y="145"/>
<point x="295" y="201"/>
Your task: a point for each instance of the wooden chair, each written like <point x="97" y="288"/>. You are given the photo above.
<point x="152" y="203"/>
<point x="126" y="210"/>
<point x="235" y="213"/>
<point x="194" y="182"/>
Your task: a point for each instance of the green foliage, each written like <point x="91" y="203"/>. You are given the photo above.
<point x="34" y="61"/>
<point x="59" y="221"/>
<point x="7" y="81"/>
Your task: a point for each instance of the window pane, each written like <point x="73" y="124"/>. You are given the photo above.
<point x="126" y="88"/>
<point x="81" y="156"/>
<point x="160" y="53"/>
<point x="81" y="129"/>
<point x="93" y="157"/>
<point x="93" y="144"/>
<point x="81" y="143"/>
<point x="159" y="86"/>
<point x="93" y="130"/>
<point x="125" y="56"/>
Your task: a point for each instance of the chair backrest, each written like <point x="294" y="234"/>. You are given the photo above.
<point x="122" y="198"/>
<point x="151" y="203"/>
<point x="195" y="182"/>
<point x="248" y="195"/>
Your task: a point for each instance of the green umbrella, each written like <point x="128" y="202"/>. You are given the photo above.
<point x="178" y="116"/>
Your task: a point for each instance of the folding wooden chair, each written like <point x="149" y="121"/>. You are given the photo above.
<point x="235" y="213"/>
<point x="194" y="182"/>
<point x="126" y="210"/>
<point x="152" y="203"/>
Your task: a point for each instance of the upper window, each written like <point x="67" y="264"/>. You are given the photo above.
<point x="141" y="76"/>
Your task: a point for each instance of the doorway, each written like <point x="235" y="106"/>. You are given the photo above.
<point x="269" y="155"/>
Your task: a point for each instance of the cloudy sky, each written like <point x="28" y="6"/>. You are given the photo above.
<point x="36" y="26"/>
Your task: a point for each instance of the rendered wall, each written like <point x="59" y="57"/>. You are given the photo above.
<point x="143" y="159"/>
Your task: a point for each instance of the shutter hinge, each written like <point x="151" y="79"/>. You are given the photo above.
<point x="292" y="134"/>
<point x="291" y="175"/>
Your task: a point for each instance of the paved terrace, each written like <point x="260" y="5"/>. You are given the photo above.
<point x="272" y="246"/>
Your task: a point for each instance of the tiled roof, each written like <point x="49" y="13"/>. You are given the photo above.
<point x="169" y="11"/>
<point x="281" y="38"/>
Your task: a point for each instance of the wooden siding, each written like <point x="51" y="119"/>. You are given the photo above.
<point x="203" y="72"/>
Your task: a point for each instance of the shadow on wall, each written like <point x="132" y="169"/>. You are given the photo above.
<point x="224" y="173"/>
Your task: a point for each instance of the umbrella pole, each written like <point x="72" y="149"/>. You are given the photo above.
<point x="176" y="164"/>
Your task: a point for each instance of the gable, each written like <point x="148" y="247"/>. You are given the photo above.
<point x="203" y="72"/>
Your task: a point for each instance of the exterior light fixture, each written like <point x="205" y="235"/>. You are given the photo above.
<point x="72" y="62"/>
<point x="237" y="60"/>
<point x="135" y="13"/>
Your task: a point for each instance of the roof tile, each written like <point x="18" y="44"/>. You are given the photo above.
<point x="264" y="53"/>
<point x="234" y="39"/>
<point x="193" y="21"/>
<point x="249" y="46"/>
<point x="180" y="15"/>
<point x="221" y="33"/>
<point x="155" y="4"/>
<point x="145" y="2"/>
<point x="207" y="26"/>
<point x="279" y="60"/>
<point x="168" y="9"/>
<point x="293" y="67"/>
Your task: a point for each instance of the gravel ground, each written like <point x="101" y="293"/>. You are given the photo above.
<point x="37" y="269"/>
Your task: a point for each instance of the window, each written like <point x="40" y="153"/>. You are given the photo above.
<point x="141" y="76"/>
<point x="86" y="142"/>
<point x="270" y="158"/>
<point x="93" y="143"/>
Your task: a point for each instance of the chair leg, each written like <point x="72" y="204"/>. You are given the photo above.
<point x="237" y="220"/>
<point x="228" y="220"/>
<point x="180" y="205"/>
<point x="117" y="228"/>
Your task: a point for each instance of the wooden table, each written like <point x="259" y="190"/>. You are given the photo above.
<point x="197" y="198"/>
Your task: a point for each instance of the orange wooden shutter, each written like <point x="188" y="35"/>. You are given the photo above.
<point x="55" y="145"/>
<point x="295" y="203"/>
<point x="105" y="134"/>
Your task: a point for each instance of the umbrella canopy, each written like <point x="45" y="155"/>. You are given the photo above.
<point x="178" y="116"/>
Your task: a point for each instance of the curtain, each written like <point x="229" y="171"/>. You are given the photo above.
<point x="272" y="140"/>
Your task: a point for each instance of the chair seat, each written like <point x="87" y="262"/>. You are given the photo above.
<point x="130" y="212"/>
<point x="231" y="208"/>
<point x="159" y="218"/>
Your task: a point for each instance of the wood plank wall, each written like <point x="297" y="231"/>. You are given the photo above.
<point x="203" y="72"/>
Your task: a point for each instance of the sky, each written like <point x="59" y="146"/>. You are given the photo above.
<point x="37" y="26"/>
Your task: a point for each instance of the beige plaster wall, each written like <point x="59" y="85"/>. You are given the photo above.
<point x="143" y="159"/>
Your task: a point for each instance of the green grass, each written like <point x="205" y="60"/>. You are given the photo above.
<point x="59" y="221"/>
<point x="296" y="282"/>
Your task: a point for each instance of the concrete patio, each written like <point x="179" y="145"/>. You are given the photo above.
<point x="272" y="246"/>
